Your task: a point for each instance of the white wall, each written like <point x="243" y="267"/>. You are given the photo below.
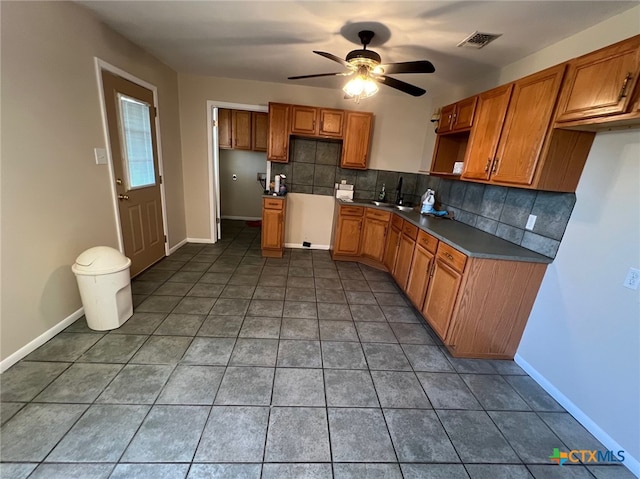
<point x="583" y="335"/>
<point x="582" y="341"/>
<point x="241" y="198"/>
<point x="56" y="202"/>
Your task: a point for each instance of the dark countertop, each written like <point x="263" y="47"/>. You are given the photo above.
<point x="471" y="241"/>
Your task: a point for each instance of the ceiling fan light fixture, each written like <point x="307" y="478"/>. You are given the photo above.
<point x="360" y="86"/>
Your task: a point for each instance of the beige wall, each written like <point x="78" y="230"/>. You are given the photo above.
<point x="400" y="126"/>
<point x="56" y="201"/>
<point x="242" y="197"/>
<point x="582" y="341"/>
<point x="309" y="218"/>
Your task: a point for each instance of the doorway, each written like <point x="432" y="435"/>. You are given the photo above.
<point x="131" y="124"/>
<point x="217" y="183"/>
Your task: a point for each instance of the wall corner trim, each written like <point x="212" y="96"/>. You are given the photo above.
<point x="175" y="248"/>
<point x="630" y="462"/>
<point x="39" y="341"/>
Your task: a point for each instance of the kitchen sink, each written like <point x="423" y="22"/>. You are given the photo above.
<point x="403" y="208"/>
<point x="381" y="203"/>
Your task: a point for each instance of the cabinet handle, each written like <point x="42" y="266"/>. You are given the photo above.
<point x="486" y="168"/>
<point x="495" y="166"/>
<point x="623" y="90"/>
<point x="449" y="256"/>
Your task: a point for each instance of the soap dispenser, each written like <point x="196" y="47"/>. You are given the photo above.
<point x="383" y="194"/>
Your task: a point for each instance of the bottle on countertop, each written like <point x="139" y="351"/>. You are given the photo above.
<point x="383" y="194"/>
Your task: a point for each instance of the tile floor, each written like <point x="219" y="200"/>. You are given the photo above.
<point x="234" y="366"/>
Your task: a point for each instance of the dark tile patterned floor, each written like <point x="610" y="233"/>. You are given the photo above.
<point x="234" y="366"/>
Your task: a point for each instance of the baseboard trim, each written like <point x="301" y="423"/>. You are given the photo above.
<point x="199" y="240"/>
<point x="245" y="218"/>
<point x="39" y="341"/>
<point x="175" y="248"/>
<point x="630" y="462"/>
<point x="313" y="246"/>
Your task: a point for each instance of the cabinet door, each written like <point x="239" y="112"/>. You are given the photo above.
<point x="419" y="276"/>
<point x="331" y="122"/>
<point x="483" y="142"/>
<point x="304" y="120"/>
<point x="526" y="125"/>
<point x="225" y="140"/>
<point x="259" y="128"/>
<point x="391" y="249"/>
<point x="464" y="113"/>
<point x="403" y="262"/>
<point x="374" y="234"/>
<point x="241" y="129"/>
<point x="446" y="118"/>
<point x="272" y="228"/>
<point x="441" y="297"/>
<point x="357" y="136"/>
<point x="601" y="83"/>
<point x="278" y="146"/>
<point x="348" y="235"/>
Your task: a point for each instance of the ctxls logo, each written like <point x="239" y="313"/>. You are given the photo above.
<point x="585" y="455"/>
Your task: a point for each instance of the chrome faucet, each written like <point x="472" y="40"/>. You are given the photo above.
<point x="399" y="198"/>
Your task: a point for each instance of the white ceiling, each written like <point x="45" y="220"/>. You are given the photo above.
<point x="272" y="40"/>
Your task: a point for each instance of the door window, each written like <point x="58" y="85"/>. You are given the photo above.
<point x="136" y="138"/>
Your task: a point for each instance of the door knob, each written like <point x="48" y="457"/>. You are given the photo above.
<point x="123" y="197"/>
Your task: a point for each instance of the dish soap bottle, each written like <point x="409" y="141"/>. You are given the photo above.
<point x="383" y="194"/>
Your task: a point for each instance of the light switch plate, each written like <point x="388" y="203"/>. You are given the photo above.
<point x="100" y="155"/>
<point x="531" y="222"/>
<point x="632" y="281"/>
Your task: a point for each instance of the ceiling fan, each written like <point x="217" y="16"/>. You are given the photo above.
<point x="368" y="69"/>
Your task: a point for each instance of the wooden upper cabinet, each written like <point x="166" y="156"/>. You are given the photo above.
<point x="512" y="124"/>
<point x="357" y="137"/>
<point x="331" y="122"/>
<point x="526" y="126"/>
<point x="241" y="129"/>
<point x="483" y="142"/>
<point x="304" y="120"/>
<point x="457" y="116"/>
<point x="278" y="138"/>
<point x="259" y="128"/>
<point x="601" y="83"/>
<point x="225" y="140"/>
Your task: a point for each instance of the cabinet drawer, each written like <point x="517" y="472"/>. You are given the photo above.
<point x="272" y="204"/>
<point x="377" y="214"/>
<point x="396" y="222"/>
<point x="427" y="241"/>
<point x="410" y="230"/>
<point x="452" y="256"/>
<point x="352" y="210"/>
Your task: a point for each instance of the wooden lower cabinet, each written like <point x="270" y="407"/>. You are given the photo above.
<point x="479" y="307"/>
<point x="421" y="269"/>
<point x="347" y="231"/>
<point x="391" y="247"/>
<point x="273" y="215"/>
<point x="401" y="269"/>
<point x="374" y="234"/>
<point x="441" y="297"/>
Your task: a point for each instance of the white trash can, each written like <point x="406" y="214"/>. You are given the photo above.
<point x="105" y="287"/>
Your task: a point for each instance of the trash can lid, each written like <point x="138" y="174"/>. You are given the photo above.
<point x="100" y="260"/>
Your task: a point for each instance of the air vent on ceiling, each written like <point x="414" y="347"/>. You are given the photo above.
<point x="479" y="39"/>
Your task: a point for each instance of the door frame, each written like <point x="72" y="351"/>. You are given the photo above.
<point x="101" y="65"/>
<point x="213" y="159"/>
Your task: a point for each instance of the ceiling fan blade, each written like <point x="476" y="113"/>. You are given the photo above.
<point x="320" y="75"/>
<point x="400" y="85"/>
<point x="420" y="66"/>
<point x="331" y="56"/>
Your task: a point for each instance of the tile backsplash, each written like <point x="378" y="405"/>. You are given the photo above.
<point x="498" y="210"/>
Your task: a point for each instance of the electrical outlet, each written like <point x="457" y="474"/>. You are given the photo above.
<point x="531" y="222"/>
<point x="632" y="281"/>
